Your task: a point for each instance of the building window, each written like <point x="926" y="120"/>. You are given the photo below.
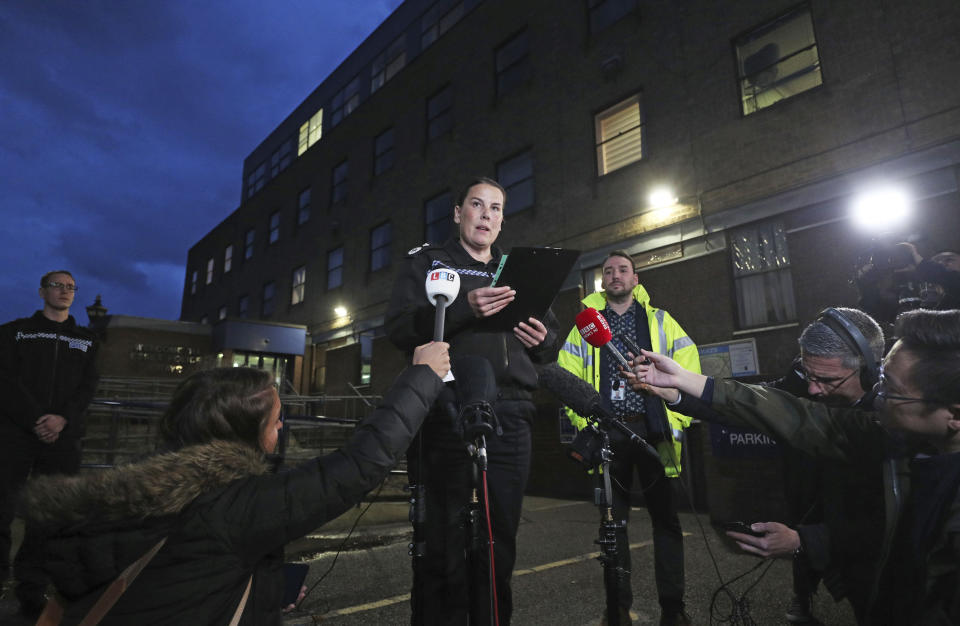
<point x="338" y="186"/>
<point x="388" y="63"/>
<point x="440" y="113"/>
<point x="513" y="63"/>
<point x="194" y="277"/>
<point x="228" y="258"/>
<point x="436" y="22"/>
<point x="345" y="101"/>
<point x="281" y="157"/>
<point x="380" y="240"/>
<point x="209" y="270"/>
<point x="516" y="176"/>
<point x="310" y="132"/>
<point x="274" y="227"/>
<point x="366" y="357"/>
<point x="243" y="303"/>
<point x="298" y="291"/>
<point x="257" y="179"/>
<point x="248" y="245"/>
<point x="303" y="207"/>
<point x="438" y="217"/>
<point x="335" y="268"/>
<point x="761" y="273"/>
<point x="619" y="132"/>
<point x="603" y="13"/>
<point x="777" y="60"/>
<point x="269" y="292"/>
<point x="383" y="152"/>
<point x="222" y="313"/>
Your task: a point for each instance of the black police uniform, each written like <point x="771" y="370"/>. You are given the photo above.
<point x="445" y="590"/>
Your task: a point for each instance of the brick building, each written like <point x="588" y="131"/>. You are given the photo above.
<point x="764" y="117"/>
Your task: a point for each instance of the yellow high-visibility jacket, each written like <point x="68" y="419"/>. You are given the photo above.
<point x="666" y="337"/>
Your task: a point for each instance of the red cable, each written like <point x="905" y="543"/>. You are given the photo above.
<point x="493" y="571"/>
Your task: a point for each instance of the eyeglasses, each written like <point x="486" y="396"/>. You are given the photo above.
<point x="880" y="391"/>
<point x="61" y="286"/>
<point x="831" y="383"/>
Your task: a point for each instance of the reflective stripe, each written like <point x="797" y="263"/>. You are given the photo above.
<point x="662" y="333"/>
<point x="681" y="343"/>
<point x="572" y="348"/>
<point x="587" y="354"/>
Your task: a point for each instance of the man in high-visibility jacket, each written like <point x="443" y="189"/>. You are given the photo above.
<point x="626" y="305"/>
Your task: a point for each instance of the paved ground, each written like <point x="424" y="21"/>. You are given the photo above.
<point x="557" y="581"/>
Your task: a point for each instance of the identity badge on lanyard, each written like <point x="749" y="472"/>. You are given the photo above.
<point x="618" y="391"/>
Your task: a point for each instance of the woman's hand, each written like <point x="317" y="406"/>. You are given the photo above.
<point x="487" y="301"/>
<point x="531" y="334"/>
<point x="436" y="354"/>
<point x="300" y="597"/>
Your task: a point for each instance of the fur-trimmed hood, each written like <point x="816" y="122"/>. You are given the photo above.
<point x="161" y="485"/>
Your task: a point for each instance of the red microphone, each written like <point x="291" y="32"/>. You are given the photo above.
<point x="596" y="330"/>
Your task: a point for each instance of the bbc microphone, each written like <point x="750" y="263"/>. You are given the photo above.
<point x="443" y="285"/>
<point x="595" y="329"/>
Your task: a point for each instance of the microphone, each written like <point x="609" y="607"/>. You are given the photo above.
<point x="476" y="387"/>
<point x="580" y="396"/>
<point x="443" y="285"/>
<point x="596" y="330"/>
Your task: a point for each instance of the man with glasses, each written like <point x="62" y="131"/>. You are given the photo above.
<point x="47" y="379"/>
<point x="818" y="492"/>
<point x="912" y="440"/>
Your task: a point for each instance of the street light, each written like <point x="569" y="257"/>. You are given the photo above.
<point x="662" y="197"/>
<point x="340" y="311"/>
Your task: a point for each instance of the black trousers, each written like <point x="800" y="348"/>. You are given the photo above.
<point x="667" y="534"/>
<point x="23" y="455"/>
<point x="451" y="580"/>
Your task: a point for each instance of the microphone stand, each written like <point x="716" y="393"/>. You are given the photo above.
<point x="613" y="574"/>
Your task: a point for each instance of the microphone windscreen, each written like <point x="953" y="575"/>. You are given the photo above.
<point x="594" y="327"/>
<point x="569" y="389"/>
<point x="476" y="382"/>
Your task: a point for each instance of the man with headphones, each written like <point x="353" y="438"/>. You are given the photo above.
<point x="838" y="365"/>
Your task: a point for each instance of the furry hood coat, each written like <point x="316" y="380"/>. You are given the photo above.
<point x="225" y="515"/>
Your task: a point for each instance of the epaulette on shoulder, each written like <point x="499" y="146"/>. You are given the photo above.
<point x="417" y="250"/>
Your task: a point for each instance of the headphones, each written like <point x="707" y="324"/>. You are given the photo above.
<point x="851" y="335"/>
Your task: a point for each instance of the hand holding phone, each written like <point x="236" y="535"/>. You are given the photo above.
<point x="743" y="528"/>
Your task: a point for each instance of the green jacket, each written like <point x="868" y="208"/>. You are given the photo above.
<point x="666" y="336"/>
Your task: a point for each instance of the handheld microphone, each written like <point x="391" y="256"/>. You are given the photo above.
<point x="580" y="396"/>
<point x="443" y="285"/>
<point x="596" y="330"/>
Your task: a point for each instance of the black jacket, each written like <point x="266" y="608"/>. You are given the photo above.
<point x="225" y="516"/>
<point x="46" y="367"/>
<point x="409" y="320"/>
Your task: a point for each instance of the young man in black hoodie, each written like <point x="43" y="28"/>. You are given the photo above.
<point x="47" y="379"/>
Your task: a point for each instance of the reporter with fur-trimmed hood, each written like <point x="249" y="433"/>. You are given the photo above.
<point x="224" y="514"/>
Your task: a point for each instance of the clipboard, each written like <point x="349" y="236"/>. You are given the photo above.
<point x="537" y="275"/>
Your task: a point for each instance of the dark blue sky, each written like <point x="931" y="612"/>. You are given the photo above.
<point x="124" y="127"/>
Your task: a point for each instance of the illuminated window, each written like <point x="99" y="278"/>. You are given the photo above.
<point x="310" y="132"/>
<point x="248" y="245"/>
<point x="345" y="101"/>
<point x="619" y="132"/>
<point x="303" y="206"/>
<point x="383" y="152"/>
<point x="338" y="187"/>
<point x="209" y="270"/>
<point x="380" y="239"/>
<point x="298" y="290"/>
<point x="603" y="13"/>
<point x="228" y="258"/>
<point x="274" y="227"/>
<point x="777" y="60"/>
<point x="335" y="268"/>
<point x="440" y="113"/>
<point x="266" y="303"/>
<point x="388" y="63"/>
<point x="194" y="277"/>
<point x="222" y="313"/>
<point x="516" y="176"/>
<point x="438" y="217"/>
<point x="761" y="273"/>
<point x="513" y="64"/>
